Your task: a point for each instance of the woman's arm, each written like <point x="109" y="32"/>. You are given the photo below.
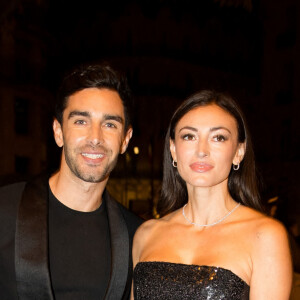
<point x="139" y="239"/>
<point x="135" y="254"/>
<point x="271" y="262"/>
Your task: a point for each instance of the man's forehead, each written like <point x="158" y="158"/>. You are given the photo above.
<point x="96" y="100"/>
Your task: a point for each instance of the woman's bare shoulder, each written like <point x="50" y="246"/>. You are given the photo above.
<point x="270" y="232"/>
<point x="154" y="226"/>
<point x="261" y="223"/>
<point x="264" y="231"/>
<point x="146" y="233"/>
<point x="146" y="227"/>
<point x="270" y="257"/>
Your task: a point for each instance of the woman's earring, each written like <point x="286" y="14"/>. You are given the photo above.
<point x="236" y="167"/>
<point x="174" y="163"/>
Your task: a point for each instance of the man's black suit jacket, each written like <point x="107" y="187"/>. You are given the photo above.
<point x="24" y="260"/>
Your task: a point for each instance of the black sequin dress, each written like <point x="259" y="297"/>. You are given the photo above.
<point x="163" y="280"/>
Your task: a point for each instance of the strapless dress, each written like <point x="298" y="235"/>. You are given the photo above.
<point x="164" y="280"/>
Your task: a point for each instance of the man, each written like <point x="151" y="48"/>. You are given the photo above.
<point x="64" y="237"/>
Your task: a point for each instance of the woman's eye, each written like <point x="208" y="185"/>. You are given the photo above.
<point x="219" y="138"/>
<point x="188" y="137"/>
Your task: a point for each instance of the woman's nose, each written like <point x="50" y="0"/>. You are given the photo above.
<point x="203" y="148"/>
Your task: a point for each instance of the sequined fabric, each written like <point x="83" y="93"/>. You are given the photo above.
<point x="163" y="280"/>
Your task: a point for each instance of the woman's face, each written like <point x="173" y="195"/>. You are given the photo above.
<point x="206" y="145"/>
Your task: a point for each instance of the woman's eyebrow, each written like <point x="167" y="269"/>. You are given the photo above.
<point x="218" y="128"/>
<point x="189" y="128"/>
<point x="211" y="129"/>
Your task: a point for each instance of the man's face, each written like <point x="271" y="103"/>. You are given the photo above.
<point x="92" y="134"/>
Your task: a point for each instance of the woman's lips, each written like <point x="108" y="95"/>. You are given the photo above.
<point x="201" y="167"/>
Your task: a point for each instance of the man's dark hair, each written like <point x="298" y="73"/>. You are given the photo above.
<point x="93" y="76"/>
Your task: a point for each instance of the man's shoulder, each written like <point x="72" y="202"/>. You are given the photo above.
<point x="129" y="215"/>
<point x="132" y="220"/>
<point x="10" y="194"/>
<point x="12" y="187"/>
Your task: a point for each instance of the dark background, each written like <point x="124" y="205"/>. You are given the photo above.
<point x="168" y="50"/>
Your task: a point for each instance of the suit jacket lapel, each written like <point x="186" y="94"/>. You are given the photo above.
<point x="119" y="250"/>
<point x="31" y="243"/>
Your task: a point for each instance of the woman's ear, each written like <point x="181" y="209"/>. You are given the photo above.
<point x="240" y="152"/>
<point x="173" y="150"/>
<point x="58" y="135"/>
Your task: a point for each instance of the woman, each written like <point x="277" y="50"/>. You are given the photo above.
<point x="212" y="241"/>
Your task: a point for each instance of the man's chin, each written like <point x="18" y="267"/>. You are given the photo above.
<point x="93" y="178"/>
<point x="90" y="177"/>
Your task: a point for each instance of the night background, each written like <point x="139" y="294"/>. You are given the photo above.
<point x="168" y="49"/>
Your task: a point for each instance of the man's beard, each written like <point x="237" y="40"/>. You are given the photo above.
<point x="84" y="175"/>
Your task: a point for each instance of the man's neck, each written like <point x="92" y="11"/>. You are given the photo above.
<point x="76" y="193"/>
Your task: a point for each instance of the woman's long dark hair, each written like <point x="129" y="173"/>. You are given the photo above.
<point x="242" y="184"/>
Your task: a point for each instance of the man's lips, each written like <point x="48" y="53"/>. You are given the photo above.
<point x="93" y="158"/>
<point x="201" y="167"/>
<point x="92" y="155"/>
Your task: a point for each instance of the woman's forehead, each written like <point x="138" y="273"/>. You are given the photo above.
<point x="208" y="116"/>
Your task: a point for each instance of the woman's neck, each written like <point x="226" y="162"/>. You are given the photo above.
<point x="207" y="205"/>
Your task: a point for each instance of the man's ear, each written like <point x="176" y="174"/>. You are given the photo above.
<point x="240" y="152"/>
<point x="173" y="150"/>
<point x="58" y="135"/>
<point x="126" y="140"/>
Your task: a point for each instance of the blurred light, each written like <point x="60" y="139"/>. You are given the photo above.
<point x="128" y="158"/>
<point x="271" y="200"/>
<point x="136" y="150"/>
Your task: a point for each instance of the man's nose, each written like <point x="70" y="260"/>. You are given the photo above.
<point x="96" y="135"/>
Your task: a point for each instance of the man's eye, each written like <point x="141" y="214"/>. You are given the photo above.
<point x="80" y="122"/>
<point x="110" y="125"/>
<point x="219" y="138"/>
<point x="188" y="137"/>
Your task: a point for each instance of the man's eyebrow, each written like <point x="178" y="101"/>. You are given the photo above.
<point x="75" y="113"/>
<point x="87" y="114"/>
<point x="113" y="117"/>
